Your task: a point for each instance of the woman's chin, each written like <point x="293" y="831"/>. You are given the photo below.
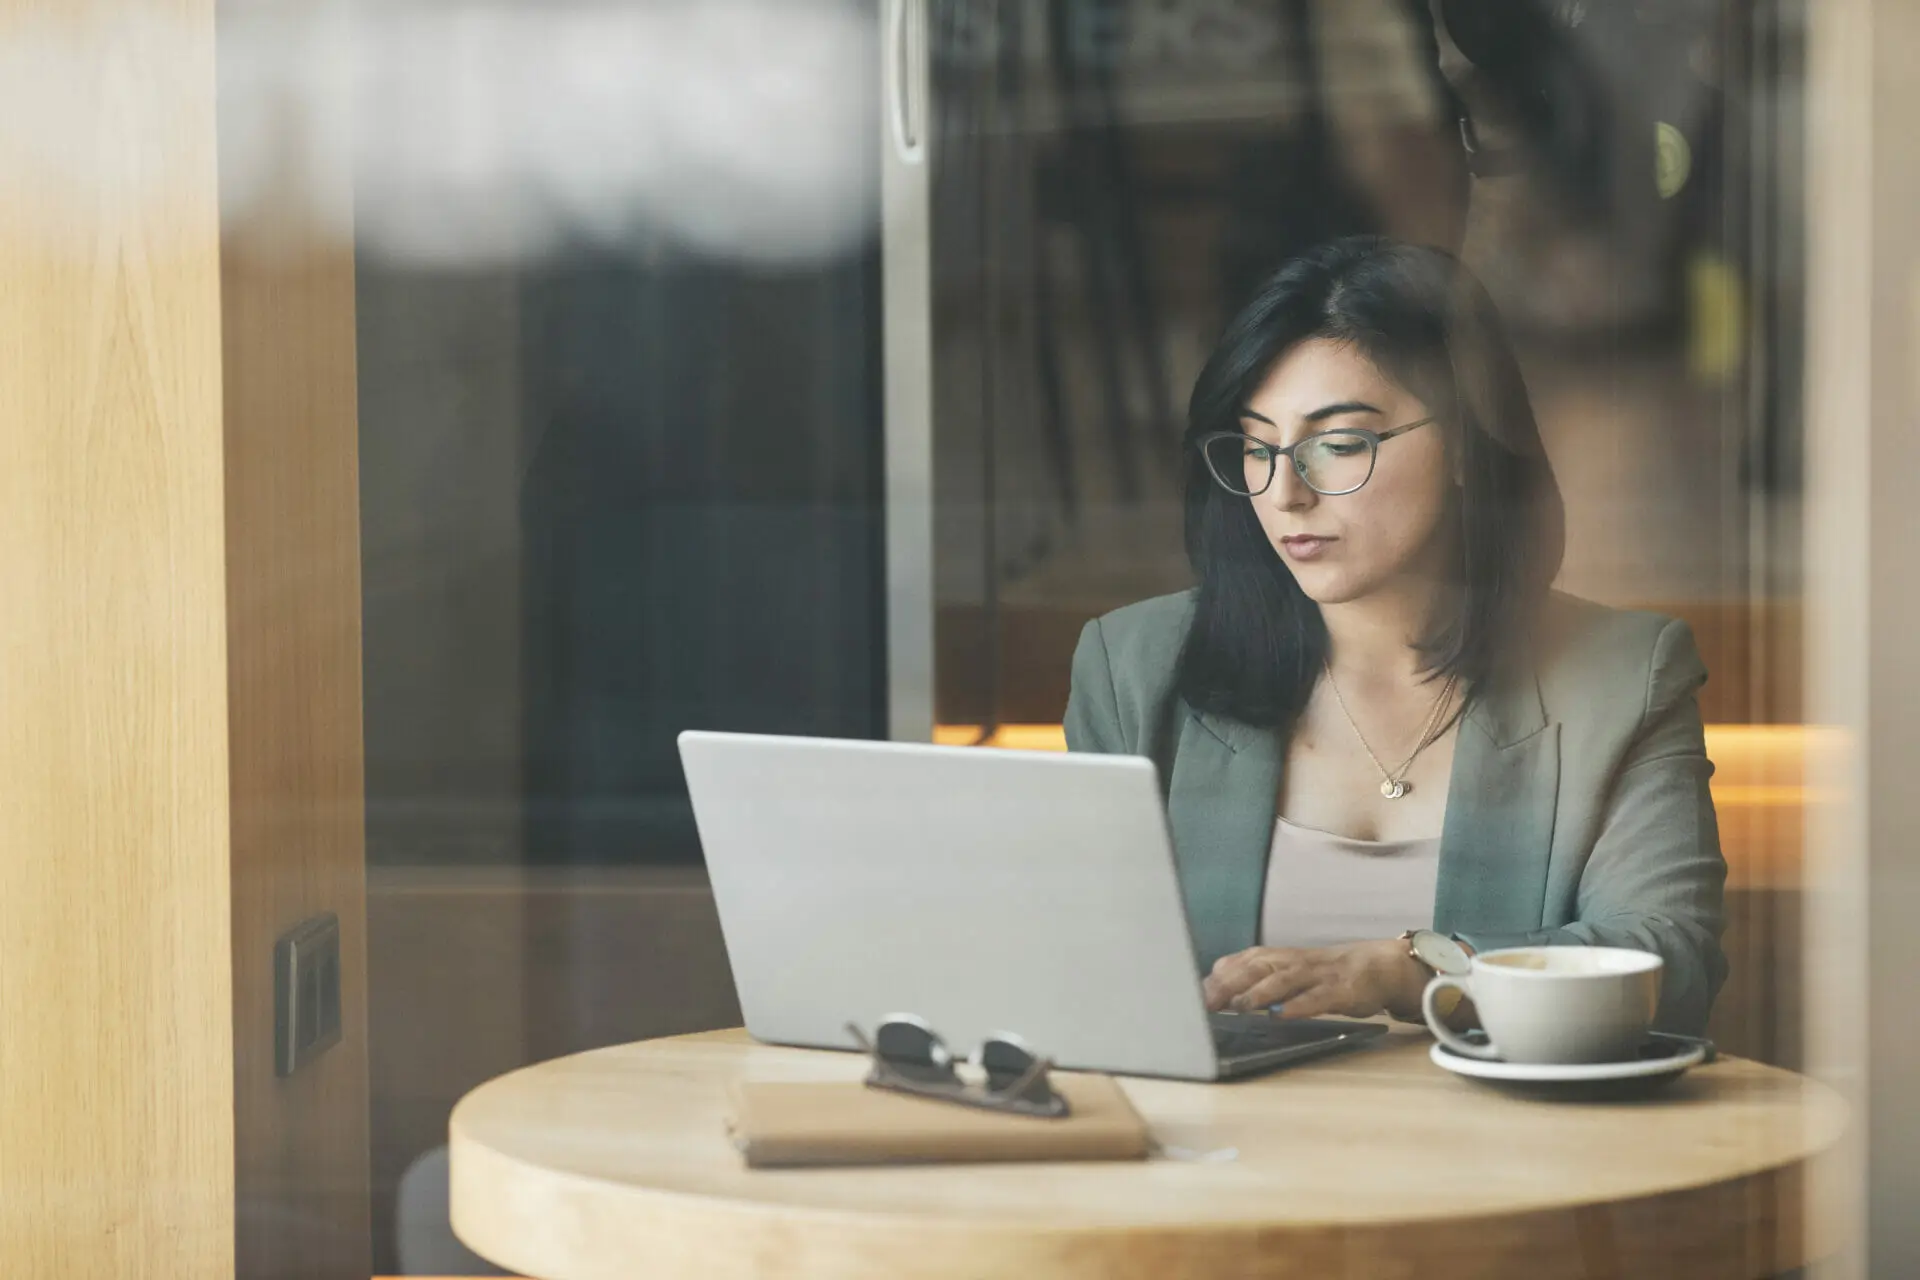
<point x="1326" y="584"/>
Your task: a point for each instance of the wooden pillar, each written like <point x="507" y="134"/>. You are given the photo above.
<point x="1863" y="610"/>
<point x="179" y="677"/>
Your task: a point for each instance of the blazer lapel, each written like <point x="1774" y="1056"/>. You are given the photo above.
<point x="1220" y="806"/>
<point x="1497" y="839"/>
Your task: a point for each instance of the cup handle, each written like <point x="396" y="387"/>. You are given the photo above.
<point x="1445" y="1034"/>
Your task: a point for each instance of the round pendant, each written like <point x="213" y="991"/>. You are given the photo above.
<point x="1394" y="790"/>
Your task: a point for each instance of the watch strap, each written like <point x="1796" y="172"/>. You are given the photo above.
<point x="1447" y="999"/>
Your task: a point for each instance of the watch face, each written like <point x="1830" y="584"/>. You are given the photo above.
<point x="1439" y="952"/>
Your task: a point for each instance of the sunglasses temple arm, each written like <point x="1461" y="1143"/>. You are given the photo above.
<point x="1035" y="1069"/>
<point x="860" y="1038"/>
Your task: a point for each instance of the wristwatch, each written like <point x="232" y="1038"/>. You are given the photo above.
<point x="1440" y="953"/>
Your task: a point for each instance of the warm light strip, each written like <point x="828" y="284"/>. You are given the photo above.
<point x="1762" y="797"/>
<point x="1017" y="737"/>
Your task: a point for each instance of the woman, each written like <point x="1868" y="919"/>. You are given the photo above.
<point x="1372" y="716"/>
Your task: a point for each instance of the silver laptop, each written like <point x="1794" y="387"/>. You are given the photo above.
<point x="985" y="891"/>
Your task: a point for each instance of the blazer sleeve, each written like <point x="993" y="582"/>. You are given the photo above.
<point x="1093" y="709"/>
<point x="1656" y="877"/>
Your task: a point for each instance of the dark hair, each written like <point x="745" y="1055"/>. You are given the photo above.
<point x="1256" y="643"/>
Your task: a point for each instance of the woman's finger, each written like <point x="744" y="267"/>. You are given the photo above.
<point x="1235" y="973"/>
<point x="1278" y="986"/>
<point x="1318" y="1000"/>
<point x="1255" y="961"/>
<point x="1223" y="990"/>
<point x="1222" y="983"/>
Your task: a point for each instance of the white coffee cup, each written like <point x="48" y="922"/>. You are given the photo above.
<point x="1555" y="1004"/>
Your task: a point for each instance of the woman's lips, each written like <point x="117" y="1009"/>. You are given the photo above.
<point x="1305" y="546"/>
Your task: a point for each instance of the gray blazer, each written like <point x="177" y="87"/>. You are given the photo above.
<point x="1577" y="813"/>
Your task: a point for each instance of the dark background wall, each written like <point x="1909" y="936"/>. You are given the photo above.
<point x="606" y="499"/>
<point x="703" y="544"/>
<point x="603" y="499"/>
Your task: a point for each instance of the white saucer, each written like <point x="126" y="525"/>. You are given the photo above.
<point x="1662" y="1060"/>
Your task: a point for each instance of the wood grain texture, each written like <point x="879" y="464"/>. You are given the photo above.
<point x="298" y="816"/>
<point x="179" y="703"/>
<point x="614" y="1164"/>
<point x="116" y="1138"/>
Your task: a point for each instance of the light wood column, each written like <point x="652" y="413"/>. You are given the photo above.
<point x="1863" y="595"/>
<point x="179" y="677"/>
<point x="116" y="1041"/>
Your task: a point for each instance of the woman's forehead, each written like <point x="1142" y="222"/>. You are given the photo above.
<point x="1321" y="372"/>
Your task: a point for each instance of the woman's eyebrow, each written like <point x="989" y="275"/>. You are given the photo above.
<point x="1318" y="415"/>
<point x="1326" y="411"/>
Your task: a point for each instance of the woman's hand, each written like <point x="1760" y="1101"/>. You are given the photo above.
<point x="1356" y="979"/>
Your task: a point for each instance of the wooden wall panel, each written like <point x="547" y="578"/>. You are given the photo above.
<point x="180" y="762"/>
<point x="116" y="1141"/>
<point x="293" y="639"/>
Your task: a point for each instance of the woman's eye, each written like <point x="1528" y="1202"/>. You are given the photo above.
<point x="1344" y="448"/>
<point x="1260" y="452"/>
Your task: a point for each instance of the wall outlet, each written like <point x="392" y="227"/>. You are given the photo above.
<point x="306" y="992"/>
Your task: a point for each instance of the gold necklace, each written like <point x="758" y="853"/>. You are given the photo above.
<point x="1394" y="782"/>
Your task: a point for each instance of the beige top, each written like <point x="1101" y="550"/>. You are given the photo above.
<point x="1324" y="889"/>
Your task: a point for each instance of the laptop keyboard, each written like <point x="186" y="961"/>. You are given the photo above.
<point x="1239" y="1034"/>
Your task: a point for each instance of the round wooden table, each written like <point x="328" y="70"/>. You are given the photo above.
<point x="615" y="1165"/>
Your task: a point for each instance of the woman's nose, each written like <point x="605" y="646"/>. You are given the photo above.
<point x="1288" y="491"/>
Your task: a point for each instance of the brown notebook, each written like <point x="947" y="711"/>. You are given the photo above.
<point x="778" y="1124"/>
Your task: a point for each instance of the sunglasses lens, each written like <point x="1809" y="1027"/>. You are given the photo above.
<point x="914" y="1051"/>
<point x="1005" y="1062"/>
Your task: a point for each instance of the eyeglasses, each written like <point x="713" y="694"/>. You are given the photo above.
<point x="910" y="1057"/>
<point x="1330" y="463"/>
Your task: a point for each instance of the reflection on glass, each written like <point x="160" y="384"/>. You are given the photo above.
<point x="1112" y="180"/>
